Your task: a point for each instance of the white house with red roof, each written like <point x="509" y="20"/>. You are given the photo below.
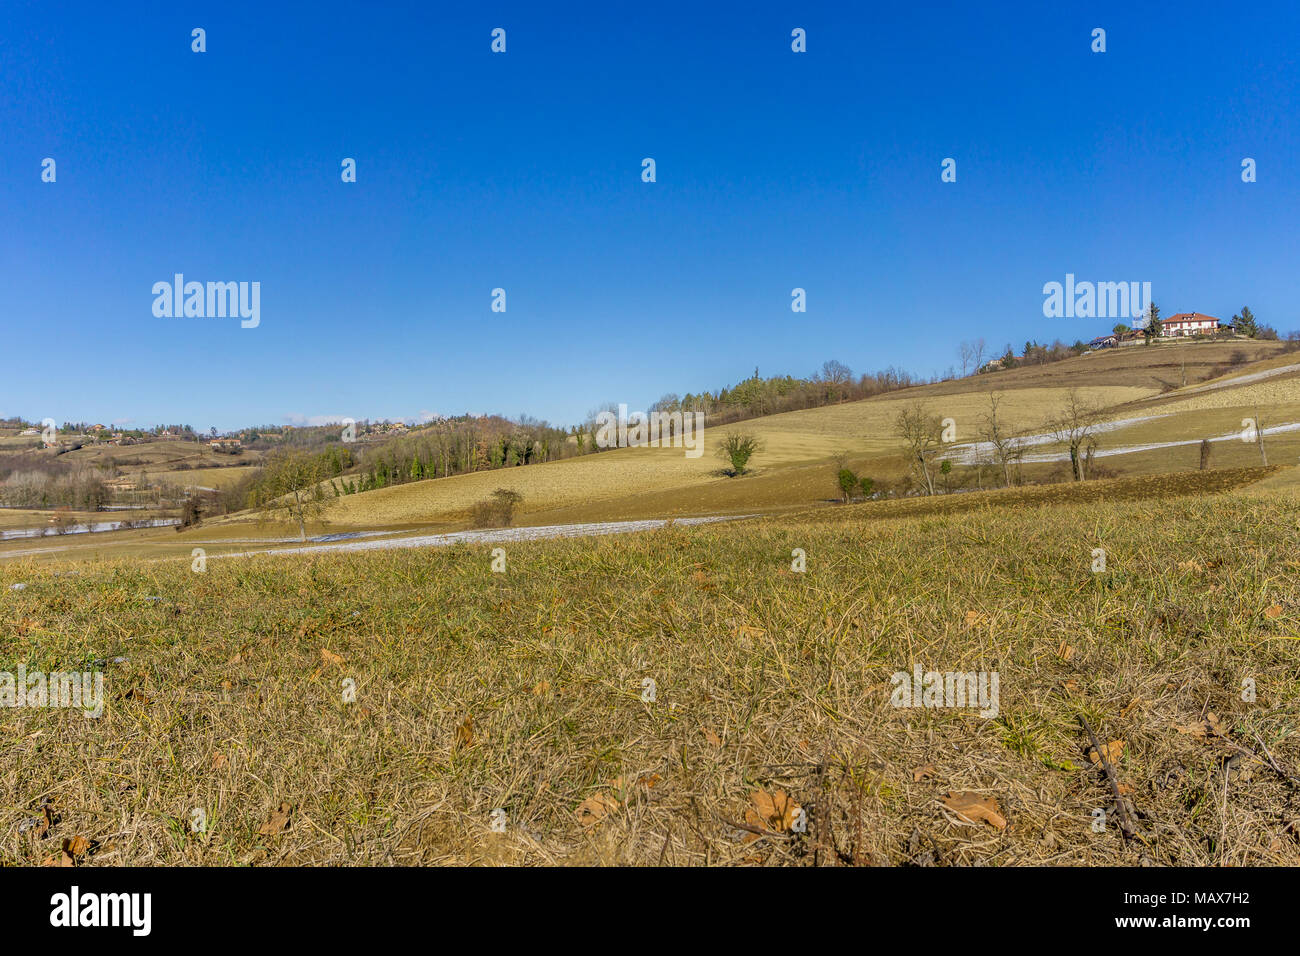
<point x="1188" y="323"/>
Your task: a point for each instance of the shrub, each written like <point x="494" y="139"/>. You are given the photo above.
<point x="498" y="511"/>
<point x="62" y="520"/>
<point x="191" y="513"/>
<point x="738" y="449"/>
<point x="848" y="482"/>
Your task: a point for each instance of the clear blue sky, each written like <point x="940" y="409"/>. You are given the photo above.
<point x="523" y="171"/>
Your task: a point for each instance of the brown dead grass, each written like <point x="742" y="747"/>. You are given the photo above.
<point x="524" y="691"/>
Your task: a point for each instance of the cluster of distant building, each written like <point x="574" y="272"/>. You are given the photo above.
<point x="94" y="431"/>
<point x="106" y="435"/>
<point x="1176" y="326"/>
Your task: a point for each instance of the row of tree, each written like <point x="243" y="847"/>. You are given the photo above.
<point x="80" y="489"/>
<point x="834" y="382"/>
<point x="1075" y="425"/>
<point x="300" y="479"/>
<point x="456" y="446"/>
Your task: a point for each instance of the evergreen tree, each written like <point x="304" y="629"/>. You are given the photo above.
<point x="1152" y="328"/>
<point x="1245" y="323"/>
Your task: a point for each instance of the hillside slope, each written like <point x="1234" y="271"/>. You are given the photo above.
<point x="796" y="464"/>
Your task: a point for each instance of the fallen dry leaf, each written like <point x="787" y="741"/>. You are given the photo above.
<point x="775" y="811"/>
<point x="1110" y="751"/>
<point x="218" y="761"/>
<point x="648" y="780"/>
<point x="975" y="618"/>
<point x="1274" y="611"/>
<point x="277" y="822"/>
<point x="595" y="808"/>
<point x="976" y="808"/>
<point x="753" y="820"/>
<point x="920" y="773"/>
<point x="541" y="688"/>
<point x="465" y="733"/>
<point x="746" y="631"/>
<point x="329" y="657"/>
<point x="1210" y="726"/>
<point x="713" y="739"/>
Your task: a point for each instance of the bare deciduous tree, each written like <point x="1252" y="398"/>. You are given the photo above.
<point x="1075" y="427"/>
<point x="920" y="431"/>
<point x="1007" y="449"/>
<point x="836" y="372"/>
<point x="291" y="483"/>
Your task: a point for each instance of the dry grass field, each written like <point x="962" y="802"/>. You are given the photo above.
<point x="517" y="702"/>
<point x="218" y="477"/>
<point x="163" y="460"/>
<point x="16" y="518"/>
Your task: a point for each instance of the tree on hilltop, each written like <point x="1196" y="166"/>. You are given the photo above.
<point x="1245" y="323"/>
<point x="1151" y="330"/>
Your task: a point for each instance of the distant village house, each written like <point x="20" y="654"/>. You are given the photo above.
<point x="1188" y="323"/>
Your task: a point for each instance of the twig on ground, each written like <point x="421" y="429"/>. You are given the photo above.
<point x="1126" y="827"/>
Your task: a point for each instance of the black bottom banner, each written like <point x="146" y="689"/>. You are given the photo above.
<point x="338" y="906"/>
